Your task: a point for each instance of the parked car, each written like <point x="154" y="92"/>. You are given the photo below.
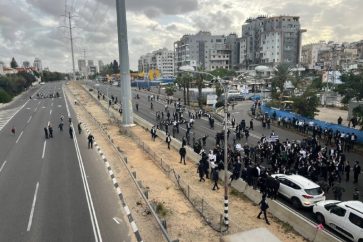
<point x="344" y="217"/>
<point x="301" y="191"/>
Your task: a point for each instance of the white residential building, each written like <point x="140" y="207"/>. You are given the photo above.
<point x="207" y="51"/>
<point x="162" y="59"/>
<point x="310" y="55"/>
<point x="270" y="41"/>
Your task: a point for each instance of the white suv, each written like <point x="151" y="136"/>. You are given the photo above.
<point x="344" y="217"/>
<point x="301" y="191"/>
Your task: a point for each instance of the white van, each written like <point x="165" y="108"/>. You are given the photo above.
<point x="344" y="217"/>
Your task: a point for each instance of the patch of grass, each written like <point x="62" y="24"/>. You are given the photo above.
<point x="161" y="209"/>
<point x="287" y="228"/>
<point x="234" y="192"/>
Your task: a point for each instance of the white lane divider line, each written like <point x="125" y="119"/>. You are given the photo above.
<point x="33" y="206"/>
<point x="116" y="221"/>
<point x="50" y="112"/>
<point x="30" y="118"/>
<point x="45" y="144"/>
<point x="17" y="140"/>
<point x="2" y="166"/>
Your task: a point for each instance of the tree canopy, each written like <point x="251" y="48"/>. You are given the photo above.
<point x="49" y="76"/>
<point x="13" y="63"/>
<point x="352" y="87"/>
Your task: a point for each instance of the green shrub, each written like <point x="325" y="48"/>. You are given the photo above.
<point x="4" y="97"/>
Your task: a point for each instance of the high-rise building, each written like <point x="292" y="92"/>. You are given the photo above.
<point x="162" y="59"/>
<point x="37" y="64"/>
<point x="26" y="64"/>
<point x="207" y="51"/>
<point x="82" y="67"/>
<point x="100" y="65"/>
<point x="270" y="41"/>
<point x="310" y="55"/>
<point x="90" y="63"/>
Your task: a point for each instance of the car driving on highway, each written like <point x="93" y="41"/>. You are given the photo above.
<point x="344" y="217"/>
<point x="299" y="190"/>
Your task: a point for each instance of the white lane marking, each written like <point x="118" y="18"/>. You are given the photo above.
<point x="50" y="113"/>
<point x="17" y="140"/>
<point x="33" y="206"/>
<point x="36" y="109"/>
<point x="114" y="219"/>
<point x="43" y="107"/>
<point x="2" y="166"/>
<point x="30" y="118"/>
<point x="45" y="144"/>
<point x="14" y="115"/>
<point x="27" y="108"/>
<point x="91" y="209"/>
<point x="59" y="106"/>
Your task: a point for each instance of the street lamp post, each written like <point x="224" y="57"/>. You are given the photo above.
<point x="225" y="87"/>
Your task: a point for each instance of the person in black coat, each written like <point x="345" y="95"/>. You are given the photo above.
<point x="182" y="152"/>
<point x="168" y="140"/>
<point x="356" y="171"/>
<point x="263" y="208"/>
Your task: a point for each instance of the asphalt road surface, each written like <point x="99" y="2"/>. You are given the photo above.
<point x="201" y="128"/>
<point x="53" y="189"/>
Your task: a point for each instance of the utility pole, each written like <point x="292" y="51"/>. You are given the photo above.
<point x="126" y="101"/>
<point x="84" y="56"/>
<point x="71" y="37"/>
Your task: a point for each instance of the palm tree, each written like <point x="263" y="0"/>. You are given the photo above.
<point x="281" y="75"/>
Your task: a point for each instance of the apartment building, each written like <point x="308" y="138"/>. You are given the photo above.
<point x="162" y="59"/>
<point x="270" y="41"/>
<point x="206" y="51"/>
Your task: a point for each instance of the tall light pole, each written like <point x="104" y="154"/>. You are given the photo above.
<point x="224" y="83"/>
<point x="126" y="101"/>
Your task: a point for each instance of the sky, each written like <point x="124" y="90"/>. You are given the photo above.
<point x="36" y="28"/>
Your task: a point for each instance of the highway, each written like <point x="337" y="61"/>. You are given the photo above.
<point x="53" y="189"/>
<point x="201" y="128"/>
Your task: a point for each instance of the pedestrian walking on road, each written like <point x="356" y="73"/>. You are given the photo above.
<point x="356" y="171"/>
<point x="90" y="141"/>
<point x="13" y="130"/>
<point x="46" y="132"/>
<point x="251" y="124"/>
<point x="182" y="152"/>
<point x="50" y="129"/>
<point x="137" y="106"/>
<point x="60" y="126"/>
<point x="70" y="132"/>
<point x="263" y="208"/>
<point x="79" y="127"/>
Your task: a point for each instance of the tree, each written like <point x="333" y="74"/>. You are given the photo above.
<point x="306" y="104"/>
<point x="358" y="112"/>
<point x="352" y="87"/>
<point x="4" y="96"/>
<point x="281" y="75"/>
<point x="115" y="67"/>
<point x="170" y="89"/>
<point x="13" y="63"/>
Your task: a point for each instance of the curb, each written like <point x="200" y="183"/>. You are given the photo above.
<point x="118" y="190"/>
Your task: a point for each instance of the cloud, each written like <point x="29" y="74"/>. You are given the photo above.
<point x="29" y="28"/>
